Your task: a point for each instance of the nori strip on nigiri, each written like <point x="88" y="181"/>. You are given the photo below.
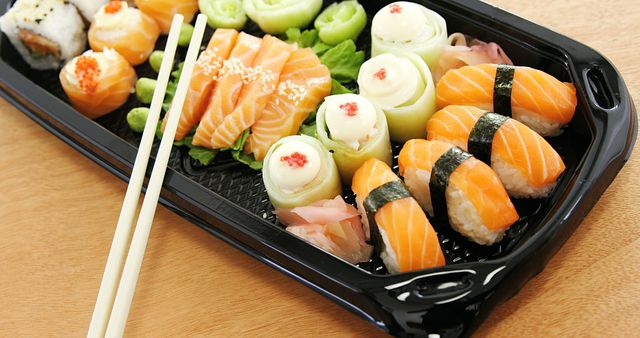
<point x="502" y="89"/>
<point x="480" y="140"/>
<point x="442" y="170"/>
<point x="386" y="193"/>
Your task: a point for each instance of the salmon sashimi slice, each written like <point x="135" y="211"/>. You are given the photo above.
<point x="227" y="88"/>
<point x="514" y="145"/>
<point x="537" y="99"/>
<point x="203" y="80"/>
<point x="472" y="181"/>
<point x="263" y="78"/>
<point x="410" y="243"/>
<point x="164" y="10"/>
<point x="304" y="82"/>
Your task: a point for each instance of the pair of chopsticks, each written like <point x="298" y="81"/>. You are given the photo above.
<point x="112" y="309"/>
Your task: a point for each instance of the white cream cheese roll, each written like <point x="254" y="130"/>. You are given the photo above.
<point x="401" y="85"/>
<point x="355" y="130"/>
<point x="298" y="170"/>
<point x="409" y="27"/>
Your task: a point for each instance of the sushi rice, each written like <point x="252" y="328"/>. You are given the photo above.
<point x="46" y="33"/>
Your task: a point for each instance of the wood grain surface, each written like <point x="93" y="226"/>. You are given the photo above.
<point x="58" y="211"/>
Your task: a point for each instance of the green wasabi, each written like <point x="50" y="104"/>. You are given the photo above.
<point x="155" y="60"/>
<point x="137" y="118"/>
<point x="144" y="89"/>
<point x="185" y="35"/>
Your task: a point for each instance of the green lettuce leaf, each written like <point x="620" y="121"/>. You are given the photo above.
<point x="309" y="130"/>
<point x="343" y="61"/>
<point x="338" y="88"/>
<point x="202" y="155"/>
<point x="171" y="87"/>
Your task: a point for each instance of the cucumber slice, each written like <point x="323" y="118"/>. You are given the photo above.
<point x="341" y="21"/>
<point x="275" y="16"/>
<point x="223" y="13"/>
<point x="349" y="160"/>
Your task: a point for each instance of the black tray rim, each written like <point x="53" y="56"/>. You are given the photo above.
<point x="356" y="290"/>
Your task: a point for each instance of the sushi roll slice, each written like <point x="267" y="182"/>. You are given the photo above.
<point x="46" y="33"/>
<point x="164" y="10"/>
<point x="402" y="233"/>
<point x="530" y="96"/>
<point x="402" y="86"/>
<point x="98" y="83"/>
<point x="354" y="130"/>
<point x="409" y="27"/>
<point x="88" y="8"/>
<point x="457" y="189"/>
<point x="298" y="171"/>
<point x="129" y="31"/>
<point x="304" y="83"/>
<point x="525" y="162"/>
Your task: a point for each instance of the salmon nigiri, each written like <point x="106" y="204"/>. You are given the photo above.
<point x="408" y="242"/>
<point x="98" y="83"/>
<point x="263" y="78"/>
<point x="227" y="90"/>
<point x="164" y="10"/>
<point x="129" y="31"/>
<point x="304" y="82"/>
<point x="533" y="97"/>
<point x="525" y="162"/>
<point x="203" y="79"/>
<point x="454" y="186"/>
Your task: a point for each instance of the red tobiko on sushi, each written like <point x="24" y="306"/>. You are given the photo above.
<point x="295" y="160"/>
<point x="113" y="7"/>
<point x="332" y="225"/>
<point x="350" y="108"/>
<point x="87" y="72"/>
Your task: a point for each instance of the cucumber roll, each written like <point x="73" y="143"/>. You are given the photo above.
<point x="355" y="130"/>
<point x="298" y="171"/>
<point x="340" y="22"/>
<point x="402" y="86"/>
<point x="276" y="16"/>
<point x="409" y="27"/>
<point x="223" y="13"/>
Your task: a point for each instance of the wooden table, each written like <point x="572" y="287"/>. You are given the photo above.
<point x="58" y="211"/>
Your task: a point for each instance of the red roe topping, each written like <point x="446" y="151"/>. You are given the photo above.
<point x="113" y="7"/>
<point x="295" y="160"/>
<point x="381" y="74"/>
<point x="350" y="108"/>
<point x="396" y="9"/>
<point x="87" y="72"/>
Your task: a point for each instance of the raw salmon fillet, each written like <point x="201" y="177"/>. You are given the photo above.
<point x="514" y="143"/>
<point x="203" y="80"/>
<point x="407" y="229"/>
<point x="164" y="10"/>
<point x="263" y="79"/>
<point x="304" y="82"/>
<point x="472" y="177"/>
<point x="537" y="99"/>
<point x="226" y="92"/>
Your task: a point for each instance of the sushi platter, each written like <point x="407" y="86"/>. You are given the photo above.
<point x="415" y="162"/>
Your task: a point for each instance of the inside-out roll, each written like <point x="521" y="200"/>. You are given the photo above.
<point x="46" y="33"/>
<point x="409" y="27"/>
<point x="298" y="170"/>
<point x="402" y="86"/>
<point x="355" y="130"/>
<point x="88" y="7"/>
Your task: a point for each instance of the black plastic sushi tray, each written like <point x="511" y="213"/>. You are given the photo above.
<point x="229" y="200"/>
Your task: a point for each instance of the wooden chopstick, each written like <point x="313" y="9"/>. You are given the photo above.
<point x="115" y="260"/>
<point x="129" y="278"/>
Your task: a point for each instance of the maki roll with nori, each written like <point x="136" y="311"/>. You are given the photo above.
<point x="409" y="27"/>
<point x="457" y="189"/>
<point x="402" y="86"/>
<point x="46" y="33"/>
<point x="298" y="170"/>
<point x="403" y="235"/>
<point x="354" y="130"/>
<point x="531" y="96"/>
<point x="525" y="162"/>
